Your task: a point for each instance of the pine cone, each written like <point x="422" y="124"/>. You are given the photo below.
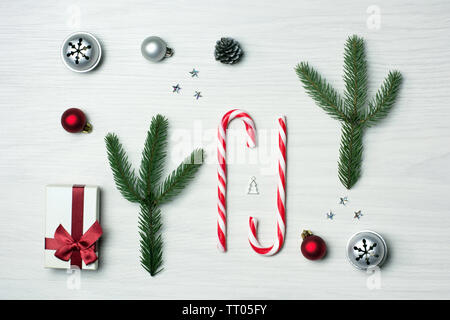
<point x="228" y="51"/>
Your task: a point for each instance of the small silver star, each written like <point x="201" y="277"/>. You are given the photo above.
<point x="343" y="200"/>
<point x="176" y="88"/>
<point x="330" y="215"/>
<point x="358" y="215"/>
<point x="197" y="95"/>
<point x="194" y="73"/>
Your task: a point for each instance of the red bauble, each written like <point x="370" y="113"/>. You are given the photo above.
<point x="313" y="247"/>
<point x="74" y="120"/>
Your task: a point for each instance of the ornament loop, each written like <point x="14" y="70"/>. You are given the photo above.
<point x="87" y="128"/>
<point x="169" y="52"/>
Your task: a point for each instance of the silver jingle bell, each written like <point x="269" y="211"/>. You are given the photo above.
<point x="155" y="49"/>
<point x="366" y="249"/>
<point x="81" y="52"/>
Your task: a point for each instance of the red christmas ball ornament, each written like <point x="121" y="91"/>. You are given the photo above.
<point x="74" y="120"/>
<point x="313" y="247"/>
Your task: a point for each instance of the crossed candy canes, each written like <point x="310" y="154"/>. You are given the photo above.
<point x="222" y="183"/>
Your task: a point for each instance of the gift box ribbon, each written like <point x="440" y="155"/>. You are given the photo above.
<point x="76" y="246"/>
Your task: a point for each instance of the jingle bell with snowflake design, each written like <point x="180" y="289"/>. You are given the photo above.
<point x="366" y="249"/>
<point x="81" y="52"/>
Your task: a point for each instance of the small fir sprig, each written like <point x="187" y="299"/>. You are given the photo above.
<point x="352" y="110"/>
<point x="147" y="189"/>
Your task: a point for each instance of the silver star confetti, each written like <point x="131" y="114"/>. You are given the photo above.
<point x="197" y="95"/>
<point x="194" y="73"/>
<point x="343" y="200"/>
<point x="176" y="88"/>
<point x="358" y="215"/>
<point x="330" y="215"/>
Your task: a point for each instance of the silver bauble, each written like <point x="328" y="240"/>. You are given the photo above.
<point x="155" y="49"/>
<point x="366" y="249"/>
<point x="81" y="52"/>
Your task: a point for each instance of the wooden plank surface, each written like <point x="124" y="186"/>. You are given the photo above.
<point x="403" y="192"/>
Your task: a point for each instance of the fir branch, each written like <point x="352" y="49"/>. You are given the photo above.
<point x="352" y="111"/>
<point x="323" y="93"/>
<point x="355" y="77"/>
<point x="153" y="155"/>
<point x="124" y="175"/>
<point x="180" y="177"/>
<point x="151" y="240"/>
<point x="350" y="154"/>
<point x="383" y="101"/>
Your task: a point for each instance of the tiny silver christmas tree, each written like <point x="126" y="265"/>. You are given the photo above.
<point x="253" y="187"/>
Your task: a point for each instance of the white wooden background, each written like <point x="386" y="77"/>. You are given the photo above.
<point x="403" y="192"/>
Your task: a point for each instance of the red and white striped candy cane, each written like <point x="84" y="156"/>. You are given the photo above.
<point x="222" y="168"/>
<point x="281" y="197"/>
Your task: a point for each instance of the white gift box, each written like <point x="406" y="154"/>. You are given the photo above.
<point x="59" y="212"/>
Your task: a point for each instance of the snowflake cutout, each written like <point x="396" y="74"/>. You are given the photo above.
<point x="366" y="253"/>
<point x="78" y="50"/>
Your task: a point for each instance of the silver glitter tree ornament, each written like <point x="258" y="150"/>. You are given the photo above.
<point x="253" y="186"/>
<point x="366" y="249"/>
<point x="81" y="52"/>
<point x="155" y="49"/>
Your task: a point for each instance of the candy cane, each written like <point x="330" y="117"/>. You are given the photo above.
<point x="281" y="197"/>
<point x="222" y="168"/>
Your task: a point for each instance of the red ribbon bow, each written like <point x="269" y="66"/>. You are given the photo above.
<point x="66" y="246"/>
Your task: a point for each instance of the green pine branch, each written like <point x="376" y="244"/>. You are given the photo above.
<point x="350" y="154"/>
<point x="351" y="111"/>
<point x="147" y="190"/>
<point x="153" y="155"/>
<point x="151" y="241"/>
<point x="323" y="93"/>
<point x="124" y="175"/>
<point x="383" y="101"/>
<point x="180" y="177"/>
<point x="355" y="76"/>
